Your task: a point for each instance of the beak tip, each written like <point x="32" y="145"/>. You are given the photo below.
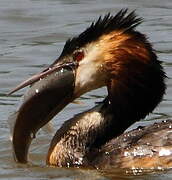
<point x="10" y="93"/>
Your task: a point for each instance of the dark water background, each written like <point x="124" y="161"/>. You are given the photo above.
<point x="32" y="34"/>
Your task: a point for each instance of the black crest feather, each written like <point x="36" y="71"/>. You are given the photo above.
<point x="105" y="25"/>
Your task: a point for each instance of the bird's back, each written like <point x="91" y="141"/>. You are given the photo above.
<point x="144" y="147"/>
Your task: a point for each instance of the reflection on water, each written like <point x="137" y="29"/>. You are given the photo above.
<point x="32" y="35"/>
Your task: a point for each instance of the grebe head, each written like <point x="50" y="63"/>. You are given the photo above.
<point x="109" y="53"/>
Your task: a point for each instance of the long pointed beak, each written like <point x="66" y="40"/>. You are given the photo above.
<point x="42" y="102"/>
<point x="39" y="76"/>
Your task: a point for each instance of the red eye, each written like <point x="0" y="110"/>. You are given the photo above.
<point x="78" y="56"/>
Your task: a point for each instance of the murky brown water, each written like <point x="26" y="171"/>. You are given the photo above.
<point x="32" y="34"/>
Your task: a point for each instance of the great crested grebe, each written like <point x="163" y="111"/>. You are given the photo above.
<point x="109" y="53"/>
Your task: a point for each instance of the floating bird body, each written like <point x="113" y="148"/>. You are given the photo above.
<point x="109" y="53"/>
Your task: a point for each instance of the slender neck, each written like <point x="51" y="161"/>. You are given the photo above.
<point x="78" y="137"/>
<point x="73" y="141"/>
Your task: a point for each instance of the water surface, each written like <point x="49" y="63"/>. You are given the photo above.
<point x="32" y="35"/>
